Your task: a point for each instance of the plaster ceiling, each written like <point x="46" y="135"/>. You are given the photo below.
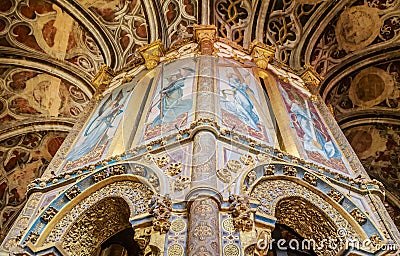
<point x="50" y="51"/>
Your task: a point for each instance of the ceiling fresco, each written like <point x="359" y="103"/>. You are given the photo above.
<point x="51" y="50"/>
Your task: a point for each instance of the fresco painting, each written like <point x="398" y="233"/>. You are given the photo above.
<point x="172" y="100"/>
<point x="101" y="127"/>
<point x="310" y="129"/>
<point x="239" y="100"/>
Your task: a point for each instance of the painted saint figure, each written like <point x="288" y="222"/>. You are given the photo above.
<point x="171" y="104"/>
<point x="99" y="128"/>
<point x="314" y="139"/>
<point x="241" y="105"/>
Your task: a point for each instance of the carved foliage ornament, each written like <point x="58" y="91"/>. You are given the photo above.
<point x="135" y="193"/>
<point x="300" y="215"/>
<point x="101" y="221"/>
<point x="242" y="212"/>
<point x="160" y="208"/>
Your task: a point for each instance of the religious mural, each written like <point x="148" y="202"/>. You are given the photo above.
<point x="378" y="148"/>
<point x="43" y="27"/>
<point x="26" y="93"/>
<point x="240" y="101"/>
<point x="100" y="128"/>
<point x="172" y="100"/>
<point x="23" y="158"/>
<point x="317" y="143"/>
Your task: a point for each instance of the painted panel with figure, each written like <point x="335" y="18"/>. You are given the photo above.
<point x="240" y="100"/>
<point x="172" y="100"/>
<point x="93" y="140"/>
<point x="311" y="131"/>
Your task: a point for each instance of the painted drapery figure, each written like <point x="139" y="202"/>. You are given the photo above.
<point x="101" y="127"/>
<point x="241" y="104"/>
<point x="304" y="121"/>
<point x="171" y="103"/>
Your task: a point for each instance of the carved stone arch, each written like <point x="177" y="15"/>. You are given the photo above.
<point x="102" y="220"/>
<point x="133" y="190"/>
<point x="270" y="192"/>
<point x="300" y="214"/>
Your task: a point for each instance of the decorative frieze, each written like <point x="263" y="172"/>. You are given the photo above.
<point x="49" y="214"/>
<point x="72" y="192"/>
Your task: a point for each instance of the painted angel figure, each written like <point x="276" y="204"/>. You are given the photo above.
<point x="241" y="105"/>
<point x="98" y="128"/>
<point x="314" y="139"/>
<point x="171" y="104"/>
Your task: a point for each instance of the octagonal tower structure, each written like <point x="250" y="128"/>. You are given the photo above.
<point x="205" y="149"/>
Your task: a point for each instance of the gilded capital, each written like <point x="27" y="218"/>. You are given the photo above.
<point x="205" y="35"/>
<point x="103" y="78"/>
<point x="261" y="53"/>
<point x="151" y="53"/>
<point x="311" y="77"/>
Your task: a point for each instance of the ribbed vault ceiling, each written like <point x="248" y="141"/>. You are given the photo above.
<point x="50" y="51"/>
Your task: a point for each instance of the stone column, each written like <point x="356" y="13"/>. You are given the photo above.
<point x="203" y="229"/>
<point x="203" y="237"/>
